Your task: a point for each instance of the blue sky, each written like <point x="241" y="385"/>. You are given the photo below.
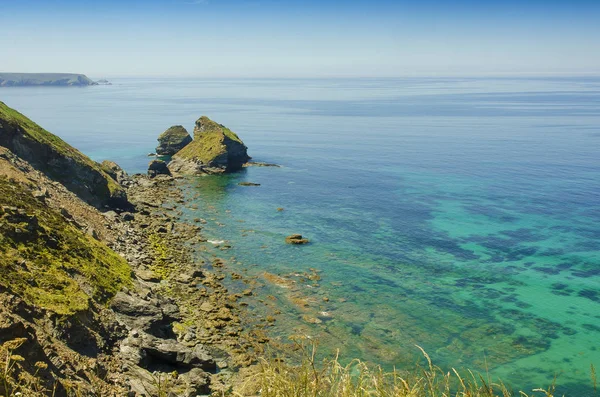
<point x="269" y="38"/>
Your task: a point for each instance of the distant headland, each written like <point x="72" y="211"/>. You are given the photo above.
<point x="44" y="79"/>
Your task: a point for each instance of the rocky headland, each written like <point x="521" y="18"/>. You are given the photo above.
<point x="99" y="292"/>
<point x="215" y="149"/>
<point x="45" y="79"/>
<point x="172" y="140"/>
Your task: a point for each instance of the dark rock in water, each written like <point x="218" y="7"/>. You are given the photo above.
<point x="215" y="149"/>
<point x="59" y="161"/>
<point x="296" y="239"/>
<point x="248" y="184"/>
<point x="158" y="167"/>
<point x="172" y="140"/>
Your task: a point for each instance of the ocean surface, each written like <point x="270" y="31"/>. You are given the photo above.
<point x="460" y="215"/>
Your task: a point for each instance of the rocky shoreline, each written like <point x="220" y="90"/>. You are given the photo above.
<point x="145" y="319"/>
<point x="179" y="316"/>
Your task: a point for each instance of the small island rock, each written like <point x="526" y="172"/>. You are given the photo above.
<point x="173" y="140"/>
<point x="296" y="239"/>
<point x="215" y="149"/>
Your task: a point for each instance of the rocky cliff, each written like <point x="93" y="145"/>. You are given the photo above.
<point x="44" y="79"/>
<point x="103" y="303"/>
<point x="214" y="149"/>
<point x="172" y="140"/>
<point x="59" y="160"/>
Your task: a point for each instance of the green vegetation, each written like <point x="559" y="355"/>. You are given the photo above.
<point x="48" y="261"/>
<point x="209" y="141"/>
<point x="174" y="134"/>
<point x="42" y="147"/>
<point x="329" y="378"/>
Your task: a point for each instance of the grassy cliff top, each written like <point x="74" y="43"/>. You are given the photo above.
<point x="210" y="139"/>
<point x="36" y="133"/>
<point x="53" y="79"/>
<point x="48" y="261"/>
<point x="206" y="125"/>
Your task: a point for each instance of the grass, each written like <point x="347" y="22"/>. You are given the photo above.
<point x="48" y="261"/>
<point x="209" y="144"/>
<point x="14" y="380"/>
<point x="174" y="134"/>
<point x="329" y="378"/>
<point x="33" y="132"/>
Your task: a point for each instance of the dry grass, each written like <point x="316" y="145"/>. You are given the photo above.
<point x="315" y="378"/>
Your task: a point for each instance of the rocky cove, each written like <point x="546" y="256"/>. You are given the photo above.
<point x="102" y="295"/>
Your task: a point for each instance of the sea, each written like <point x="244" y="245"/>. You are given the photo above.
<point x="456" y="215"/>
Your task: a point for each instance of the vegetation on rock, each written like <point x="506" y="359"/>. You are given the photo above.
<point x="172" y="140"/>
<point x="58" y="160"/>
<point x="215" y="148"/>
<point x="48" y="261"/>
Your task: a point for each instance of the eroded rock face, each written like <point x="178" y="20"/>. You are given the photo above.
<point x="172" y="140"/>
<point x="214" y="149"/>
<point x="158" y="167"/>
<point x="59" y="161"/>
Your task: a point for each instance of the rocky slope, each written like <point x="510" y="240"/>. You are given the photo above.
<point x="172" y="140"/>
<point x="59" y="160"/>
<point x="44" y="79"/>
<point x="105" y="303"/>
<point x="214" y="149"/>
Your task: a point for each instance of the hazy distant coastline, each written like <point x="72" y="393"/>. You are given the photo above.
<point x="44" y="79"/>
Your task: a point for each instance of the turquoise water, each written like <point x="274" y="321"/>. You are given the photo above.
<point x="457" y="214"/>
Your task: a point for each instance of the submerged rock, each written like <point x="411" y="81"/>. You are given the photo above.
<point x="296" y="239"/>
<point x="215" y="149"/>
<point x="173" y="140"/>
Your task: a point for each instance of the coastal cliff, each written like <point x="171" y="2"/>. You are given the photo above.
<point x="44" y="79"/>
<point x="103" y="303"/>
<point x="59" y="160"/>
<point x="215" y="149"/>
<point x="172" y="140"/>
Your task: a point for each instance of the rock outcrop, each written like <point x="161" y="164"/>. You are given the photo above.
<point x="215" y="149"/>
<point x="158" y="167"/>
<point x="106" y="303"/>
<point x="296" y="239"/>
<point x="172" y="140"/>
<point x="59" y="160"/>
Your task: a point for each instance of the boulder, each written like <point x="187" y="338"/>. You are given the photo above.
<point x="172" y="140"/>
<point x="215" y="149"/>
<point x="296" y="239"/>
<point x="158" y="167"/>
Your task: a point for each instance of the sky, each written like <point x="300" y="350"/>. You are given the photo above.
<point x="309" y="38"/>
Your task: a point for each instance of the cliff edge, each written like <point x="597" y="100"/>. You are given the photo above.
<point x="59" y="160"/>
